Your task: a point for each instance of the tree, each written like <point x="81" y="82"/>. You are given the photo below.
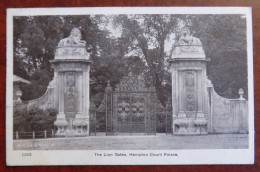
<point x="142" y="49"/>
<point x="223" y="38"/>
<point x="147" y="35"/>
<point x="35" y="42"/>
<point x="225" y="42"/>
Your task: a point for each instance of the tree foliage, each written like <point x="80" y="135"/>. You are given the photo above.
<point x="34" y="119"/>
<point x="225" y="43"/>
<point x="146" y="35"/>
<point x="142" y="49"/>
<point x="35" y="41"/>
<point x="223" y="38"/>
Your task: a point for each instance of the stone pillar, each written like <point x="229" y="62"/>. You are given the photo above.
<point x="189" y="91"/>
<point x="201" y="121"/>
<point x="71" y="75"/>
<point x="60" y="122"/>
<point x="81" y="122"/>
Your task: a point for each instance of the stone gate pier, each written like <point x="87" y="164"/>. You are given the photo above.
<point x="71" y="86"/>
<point x="196" y="107"/>
<point x="189" y="101"/>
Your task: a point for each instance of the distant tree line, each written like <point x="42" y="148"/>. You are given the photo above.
<point x="140" y="49"/>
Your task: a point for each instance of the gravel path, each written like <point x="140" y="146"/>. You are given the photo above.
<point x="156" y="142"/>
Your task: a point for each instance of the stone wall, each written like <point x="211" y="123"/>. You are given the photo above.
<point x="227" y="115"/>
<point x="48" y="100"/>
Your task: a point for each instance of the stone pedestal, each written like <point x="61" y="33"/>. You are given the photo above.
<point x="61" y="125"/>
<point x="189" y="91"/>
<point x="71" y="76"/>
<point x="201" y="124"/>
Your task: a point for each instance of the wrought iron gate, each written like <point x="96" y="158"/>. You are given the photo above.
<point x="131" y="108"/>
<point x="164" y="118"/>
<point x="97" y="121"/>
<point x="131" y="113"/>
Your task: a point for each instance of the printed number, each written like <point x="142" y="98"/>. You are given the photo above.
<point x="26" y="154"/>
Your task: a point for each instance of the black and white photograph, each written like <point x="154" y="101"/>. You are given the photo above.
<point x="129" y="86"/>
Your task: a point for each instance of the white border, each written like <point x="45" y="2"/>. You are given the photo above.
<point x="86" y="157"/>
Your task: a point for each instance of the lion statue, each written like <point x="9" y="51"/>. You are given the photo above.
<point x="187" y="39"/>
<point x="73" y="39"/>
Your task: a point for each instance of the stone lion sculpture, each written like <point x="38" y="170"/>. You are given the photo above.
<point x="188" y="44"/>
<point x="187" y="39"/>
<point x="73" y="39"/>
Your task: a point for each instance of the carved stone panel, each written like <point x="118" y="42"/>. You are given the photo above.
<point x="190" y="91"/>
<point x="70" y="95"/>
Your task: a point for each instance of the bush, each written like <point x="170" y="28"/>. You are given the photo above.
<point x="34" y="119"/>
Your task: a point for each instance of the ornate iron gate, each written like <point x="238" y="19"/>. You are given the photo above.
<point x="131" y="113"/>
<point x="164" y="118"/>
<point x="132" y="108"/>
<point x="97" y="120"/>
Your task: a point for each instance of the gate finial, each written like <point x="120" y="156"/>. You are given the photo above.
<point x="241" y="93"/>
<point x="108" y="88"/>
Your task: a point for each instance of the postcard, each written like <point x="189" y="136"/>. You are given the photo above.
<point x="129" y="86"/>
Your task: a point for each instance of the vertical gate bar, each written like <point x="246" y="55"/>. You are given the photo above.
<point x="153" y="112"/>
<point x="166" y="130"/>
<point x="95" y="120"/>
<point x="149" y="117"/>
<point x="131" y="115"/>
<point x="106" y="111"/>
<point x="111" y="115"/>
<point x="148" y="110"/>
<point x="115" y="117"/>
<point x="156" y="123"/>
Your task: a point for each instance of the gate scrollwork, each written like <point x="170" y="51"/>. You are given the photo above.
<point x="131" y="107"/>
<point x="138" y="109"/>
<point x="123" y="110"/>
